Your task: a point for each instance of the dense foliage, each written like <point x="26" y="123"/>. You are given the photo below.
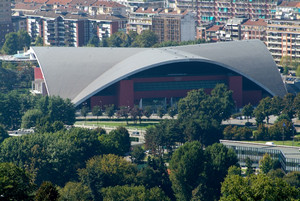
<point x="197" y="174"/>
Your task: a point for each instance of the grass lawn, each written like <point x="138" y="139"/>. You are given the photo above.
<point x="288" y="143"/>
<point x="131" y="124"/>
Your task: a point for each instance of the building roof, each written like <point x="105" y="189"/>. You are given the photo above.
<point x="110" y="4"/>
<point x="58" y="2"/>
<point x="79" y="73"/>
<point x="148" y="10"/>
<point x="103" y="17"/>
<point x="27" y="6"/>
<point x="288" y="151"/>
<point x="35" y="1"/>
<point x="215" y="28"/>
<point x="82" y="2"/>
<point x="290" y="4"/>
<point x="256" y="22"/>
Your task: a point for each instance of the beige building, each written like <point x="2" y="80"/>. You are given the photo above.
<point x="168" y="24"/>
<point x="283" y="39"/>
<point x="283" y="33"/>
<point x="254" y="29"/>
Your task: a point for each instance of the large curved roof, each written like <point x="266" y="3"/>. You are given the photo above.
<point x="79" y="73"/>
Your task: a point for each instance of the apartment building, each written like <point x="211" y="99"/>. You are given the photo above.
<point x="5" y="20"/>
<point x="168" y="24"/>
<point x="254" y="29"/>
<point x="107" y="7"/>
<point x="61" y="28"/>
<point x="142" y="19"/>
<point x="283" y="33"/>
<point x="283" y="39"/>
<point x="219" y="11"/>
<point x="174" y="25"/>
<point x="103" y="26"/>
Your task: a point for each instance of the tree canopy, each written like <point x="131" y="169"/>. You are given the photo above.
<point x="15" y="183"/>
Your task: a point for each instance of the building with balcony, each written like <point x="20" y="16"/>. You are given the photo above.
<point x="75" y="29"/>
<point x="107" y="7"/>
<point x="168" y="24"/>
<point x="142" y="19"/>
<point x="174" y="25"/>
<point x="220" y="11"/>
<point x="283" y="39"/>
<point x="254" y="29"/>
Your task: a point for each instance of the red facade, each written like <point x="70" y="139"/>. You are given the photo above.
<point x="127" y="96"/>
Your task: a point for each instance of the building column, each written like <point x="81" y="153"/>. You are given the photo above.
<point x="126" y="93"/>
<point x="235" y="84"/>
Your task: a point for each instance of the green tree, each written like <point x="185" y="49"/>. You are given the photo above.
<point x="75" y="191"/>
<point x="46" y="192"/>
<point x="286" y="61"/>
<point x="298" y="71"/>
<point x="138" y="154"/>
<point x="10" y="45"/>
<point x="187" y="170"/>
<point x="146" y="39"/>
<point x="132" y="35"/>
<point x="135" y="113"/>
<point x="247" y="111"/>
<point x="116" y="142"/>
<point x="293" y="178"/>
<point x="234" y="170"/>
<point x="109" y="110"/>
<point x="160" y="111"/>
<point x="39" y="41"/>
<point x="119" y="39"/>
<point x="219" y="158"/>
<point x="14" y="183"/>
<point x="52" y="157"/>
<point x="276" y="105"/>
<point x="94" y="42"/>
<point x="147" y="111"/>
<point x="264" y="108"/>
<point x="97" y="111"/>
<point x="172" y="111"/>
<point x="123" y="112"/>
<point x="10" y="110"/>
<point x="24" y="39"/>
<point x="137" y="193"/>
<point x="257" y="187"/>
<point x="30" y="118"/>
<point x="84" y="111"/>
<point x="201" y="114"/>
<point x="288" y="105"/>
<point x="163" y="136"/>
<point x="61" y="110"/>
<point x="266" y="163"/>
<point x="3" y="134"/>
<point x="297" y="105"/>
<point x="104" y="171"/>
<point x="249" y="167"/>
<point x="155" y="174"/>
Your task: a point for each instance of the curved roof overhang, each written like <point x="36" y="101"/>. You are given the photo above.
<point x="97" y="68"/>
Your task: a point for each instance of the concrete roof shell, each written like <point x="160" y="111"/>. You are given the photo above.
<point x="79" y="73"/>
